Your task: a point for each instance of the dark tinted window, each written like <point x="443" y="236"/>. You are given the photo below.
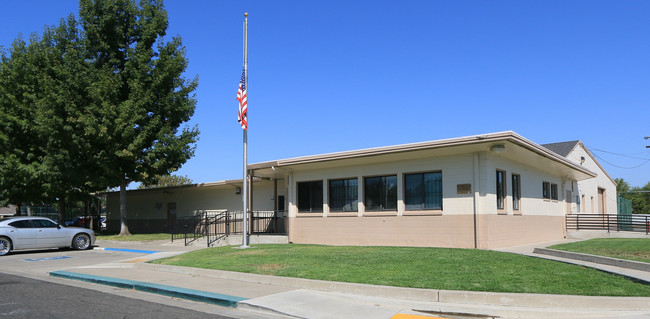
<point x="310" y="196"/>
<point x="43" y="223"/>
<point x="20" y="224"/>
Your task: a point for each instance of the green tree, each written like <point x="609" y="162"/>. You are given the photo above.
<point x="640" y="196"/>
<point x="141" y="93"/>
<point x="166" y="181"/>
<point x="20" y="152"/>
<point x="622" y="186"/>
<point x="94" y="104"/>
<point x="46" y="156"/>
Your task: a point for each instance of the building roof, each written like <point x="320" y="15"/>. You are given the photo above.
<point x="516" y="147"/>
<point x="562" y="148"/>
<point x="565" y="148"/>
<point x="8" y="210"/>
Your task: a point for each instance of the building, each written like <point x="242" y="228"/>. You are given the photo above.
<point x="484" y="191"/>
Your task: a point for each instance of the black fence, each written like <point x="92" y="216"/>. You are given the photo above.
<point x="215" y="225"/>
<point x="609" y="222"/>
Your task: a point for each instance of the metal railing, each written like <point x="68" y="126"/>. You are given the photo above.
<point x="215" y="225"/>
<point x="609" y="222"/>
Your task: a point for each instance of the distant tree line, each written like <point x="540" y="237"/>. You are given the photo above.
<point x="640" y="196"/>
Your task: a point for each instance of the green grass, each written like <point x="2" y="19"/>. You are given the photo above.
<point x="430" y="268"/>
<point x="637" y="249"/>
<point x="133" y="237"/>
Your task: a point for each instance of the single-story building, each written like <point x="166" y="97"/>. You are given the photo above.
<point x="484" y="191"/>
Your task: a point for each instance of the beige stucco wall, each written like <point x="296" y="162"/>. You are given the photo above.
<point x="497" y="231"/>
<point x="454" y="231"/>
<point x="538" y="219"/>
<point x="589" y="187"/>
<point x="147" y="209"/>
<point x="423" y="231"/>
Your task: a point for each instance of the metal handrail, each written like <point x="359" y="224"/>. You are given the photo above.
<point x="609" y="222"/>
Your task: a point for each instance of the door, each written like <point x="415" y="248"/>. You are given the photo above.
<point x="22" y="234"/>
<point x="171" y="213"/>
<point x="50" y="234"/>
<point x="602" y="209"/>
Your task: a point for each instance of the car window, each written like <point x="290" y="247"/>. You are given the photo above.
<point x="20" y="224"/>
<point x="43" y="223"/>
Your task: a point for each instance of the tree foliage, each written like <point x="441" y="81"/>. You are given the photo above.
<point x="166" y="181"/>
<point x="94" y="103"/>
<point x="640" y="196"/>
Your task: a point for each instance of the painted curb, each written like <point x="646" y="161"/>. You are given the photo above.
<point x="419" y="294"/>
<point x="184" y="293"/>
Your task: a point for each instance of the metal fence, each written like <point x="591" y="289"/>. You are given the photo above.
<point x="609" y="222"/>
<point x="215" y="225"/>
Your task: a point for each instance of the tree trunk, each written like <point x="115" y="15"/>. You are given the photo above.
<point x="61" y="210"/>
<point x="18" y="209"/>
<point x="124" y="228"/>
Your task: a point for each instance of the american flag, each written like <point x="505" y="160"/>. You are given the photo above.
<point x="242" y="114"/>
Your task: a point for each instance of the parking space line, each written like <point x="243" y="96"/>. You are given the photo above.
<point x="46" y="258"/>
<point x="130" y="250"/>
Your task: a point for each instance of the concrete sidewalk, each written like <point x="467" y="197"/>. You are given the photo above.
<point x="303" y="298"/>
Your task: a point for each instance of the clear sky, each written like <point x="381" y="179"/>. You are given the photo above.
<point x="328" y="76"/>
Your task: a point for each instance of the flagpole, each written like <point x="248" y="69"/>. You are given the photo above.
<point x="245" y="179"/>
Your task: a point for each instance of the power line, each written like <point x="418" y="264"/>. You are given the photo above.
<point x="641" y="158"/>
<point x="602" y="159"/>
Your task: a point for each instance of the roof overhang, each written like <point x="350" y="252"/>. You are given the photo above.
<point x="516" y="149"/>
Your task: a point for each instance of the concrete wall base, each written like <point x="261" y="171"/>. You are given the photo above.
<point x="590" y="234"/>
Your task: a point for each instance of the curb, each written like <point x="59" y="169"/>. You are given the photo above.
<point x="419" y="294"/>
<point x="629" y="264"/>
<point x="191" y="294"/>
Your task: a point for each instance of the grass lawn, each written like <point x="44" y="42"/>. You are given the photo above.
<point x="431" y="268"/>
<point x="637" y="249"/>
<point x="133" y="237"/>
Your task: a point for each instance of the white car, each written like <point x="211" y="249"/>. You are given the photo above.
<point x="39" y="232"/>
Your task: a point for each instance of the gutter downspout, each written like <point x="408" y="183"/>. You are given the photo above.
<point x="476" y="197"/>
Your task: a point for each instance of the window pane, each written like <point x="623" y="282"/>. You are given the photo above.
<point x="413" y="190"/>
<point x="343" y="195"/>
<point x="423" y="191"/>
<point x="433" y="191"/>
<point x="553" y="191"/>
<point x="516" y="192"/>
<point x="20" y="224"/>
<point x="381" y="193"/>
<point x="310" y="196"/>
<point x="389" y="201"/>
<point x="373" y="193"/>
<point x="500" y="189"/>
<point x="42" y="223"/>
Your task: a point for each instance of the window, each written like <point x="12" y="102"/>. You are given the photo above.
<point x="381" y="193"/>
<point x="343" y="195"/>
<point x="501" y="189"/>
<point x="423" y="191"/>
<point x="43" y="223"/>
<point x="554" y="191"/>
<point x="549" y="191"/>
<point x="310" y="196"/>
<point x="21" y="224"/>
<point x="516" y="191"/>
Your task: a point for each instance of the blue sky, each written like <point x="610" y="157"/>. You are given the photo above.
<point x="327" y="76"/>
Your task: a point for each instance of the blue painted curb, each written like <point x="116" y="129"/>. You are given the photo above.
<point x="184" y="293"/>
<point x="133" y="250"/>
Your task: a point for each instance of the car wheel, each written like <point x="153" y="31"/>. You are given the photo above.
<point x="5" y="246"/>
<point x="81" y="242"/>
